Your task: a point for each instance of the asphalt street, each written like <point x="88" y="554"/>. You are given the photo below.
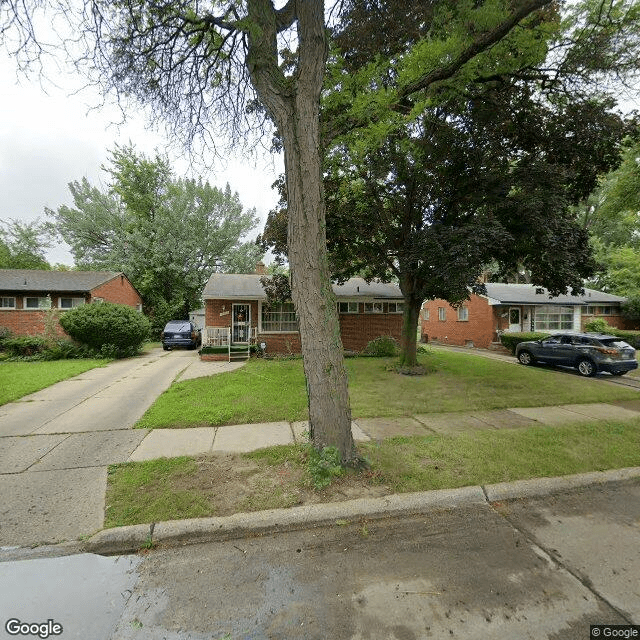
<point x="539" y="568"/>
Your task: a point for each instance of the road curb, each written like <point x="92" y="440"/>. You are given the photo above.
<point x="546" y="486"/>
<point x="202" y="530"/>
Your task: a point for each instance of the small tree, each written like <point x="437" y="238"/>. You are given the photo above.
<point x="115" y="330"/>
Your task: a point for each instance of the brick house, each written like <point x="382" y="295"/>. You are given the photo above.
<point x="28" y="295"/>
<point x="514" y="308"/>
<point x="235" y="306"/>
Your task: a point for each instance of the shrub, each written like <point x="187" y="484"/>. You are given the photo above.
<point x="382" y="347"/>
<point x="24" y="346"/>
<point x="114" y="330"/>
<point x="512" y="340"/>
<point x="631" y="308"/>
<point x="597" y="326"/>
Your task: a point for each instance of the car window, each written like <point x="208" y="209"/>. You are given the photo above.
<point x="552" y="340"/>
<point x="178" y="326"/>
<point x="618" y="344"/>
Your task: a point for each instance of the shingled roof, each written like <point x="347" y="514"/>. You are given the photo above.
<point x="241" y="286"/>
<point x="36" y="280"/>
<point x="499" y="293"/>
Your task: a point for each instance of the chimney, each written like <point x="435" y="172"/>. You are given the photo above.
<point x="261" y="270"/>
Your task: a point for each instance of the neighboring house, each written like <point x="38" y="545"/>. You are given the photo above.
<point x="514" y="308"/>
<point x="235" y="306"/>
<point x="28" y="295"/>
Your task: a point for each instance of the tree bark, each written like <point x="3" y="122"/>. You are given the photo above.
<point x="294" y="104"/>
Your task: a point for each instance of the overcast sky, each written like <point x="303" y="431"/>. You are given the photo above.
<point x="50" y="137"/>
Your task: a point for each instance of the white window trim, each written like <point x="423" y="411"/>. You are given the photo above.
<point x="442" y="314"/>
<point x="61" y="298"/>
<point x="349" y="303"/>
<point x="426" y="314"/>
<point x="373" y="307"/>
<point x="38" y="308"/>
<point x="459" y="311"/>
<point x="262" y="330"/>
<point x="8" y="298"/>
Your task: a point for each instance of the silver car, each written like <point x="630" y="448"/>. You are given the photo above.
<point x="589" y="353"/>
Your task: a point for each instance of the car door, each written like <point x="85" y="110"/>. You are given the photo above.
<point x="549" y="350"/>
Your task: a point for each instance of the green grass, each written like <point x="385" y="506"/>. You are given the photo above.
<point x="437" y="462"/>
<point x="161" y="490"/>
<point x="273" y="390"/>
<point x="142" y="492"/>
<point x="18" y="379"/>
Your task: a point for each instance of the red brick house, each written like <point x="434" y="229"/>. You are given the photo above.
<point x="514" y="308"/>
<point x="28" y="295"/>
<point x="235" y="306"/>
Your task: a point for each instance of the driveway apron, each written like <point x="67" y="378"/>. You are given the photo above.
<point x="55" y="445"/>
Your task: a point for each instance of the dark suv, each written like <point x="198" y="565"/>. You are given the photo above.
<point x="180" y="333"/>
<point x="589" y="353"/>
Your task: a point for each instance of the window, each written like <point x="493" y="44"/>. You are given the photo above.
<point x="551" y="318"/>
<point x="70" y="303"/>
<point x="463" y="314"/>
<point x="426" y="315"/>
<point x="442" y="314"/>
<point x="587" y="310"/>
<point x="7" y="303"/>
<point x="373" y="307"/>
<point x="279" y="317"/>
<point x="37" y="303"/>
<point x="347" y="307"/>
<point x="396" y="307"/>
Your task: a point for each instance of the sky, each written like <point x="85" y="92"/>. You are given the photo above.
<point x="51" y="135"/>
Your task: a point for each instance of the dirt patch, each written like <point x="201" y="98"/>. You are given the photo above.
<point x="233" y="483"/>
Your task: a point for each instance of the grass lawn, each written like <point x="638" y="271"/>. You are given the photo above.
<point x="273" y="390"/>
<point x="18" y="379"/>
<point x="277" y="477"/>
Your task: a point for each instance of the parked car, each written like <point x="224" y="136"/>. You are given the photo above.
<point x="180" y="333"/>
<point x="589" y="353"/>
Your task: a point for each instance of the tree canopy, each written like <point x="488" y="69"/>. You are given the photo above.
<point x="23" y="245"/>
<point x="167" y="234"/>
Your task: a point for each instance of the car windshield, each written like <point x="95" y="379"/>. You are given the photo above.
<point x="179" y="325"/>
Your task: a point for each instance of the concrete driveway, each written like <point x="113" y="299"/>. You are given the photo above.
<point x="55" y="445"/>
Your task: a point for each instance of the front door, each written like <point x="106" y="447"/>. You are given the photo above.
<point x="241" y="326"/>
<point x="515" y="324"/>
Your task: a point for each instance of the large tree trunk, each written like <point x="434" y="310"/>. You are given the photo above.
<point x="410" y="318"/>
<point x="294" y="104"/>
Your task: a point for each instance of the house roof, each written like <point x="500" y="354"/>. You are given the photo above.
<point x="238" y="286"/>
<point x="499" y="293"/>
<point x="37" y="280"/>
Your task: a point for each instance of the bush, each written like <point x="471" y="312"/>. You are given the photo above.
<point x="597" y="326"/>
<point x="512" y="340"/>
<point x="382" y="347"/>
<point x="24" y="346"/>
<point x="5" y="334"/>
<point x="114" y="330"/>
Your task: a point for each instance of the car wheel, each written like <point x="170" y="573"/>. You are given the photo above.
<point x="586" y="368"/>
<point x="525" y="358"/>
<point x="164" y="346"/>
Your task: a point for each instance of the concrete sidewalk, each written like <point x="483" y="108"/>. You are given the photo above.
<point x="170" y="443"/>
